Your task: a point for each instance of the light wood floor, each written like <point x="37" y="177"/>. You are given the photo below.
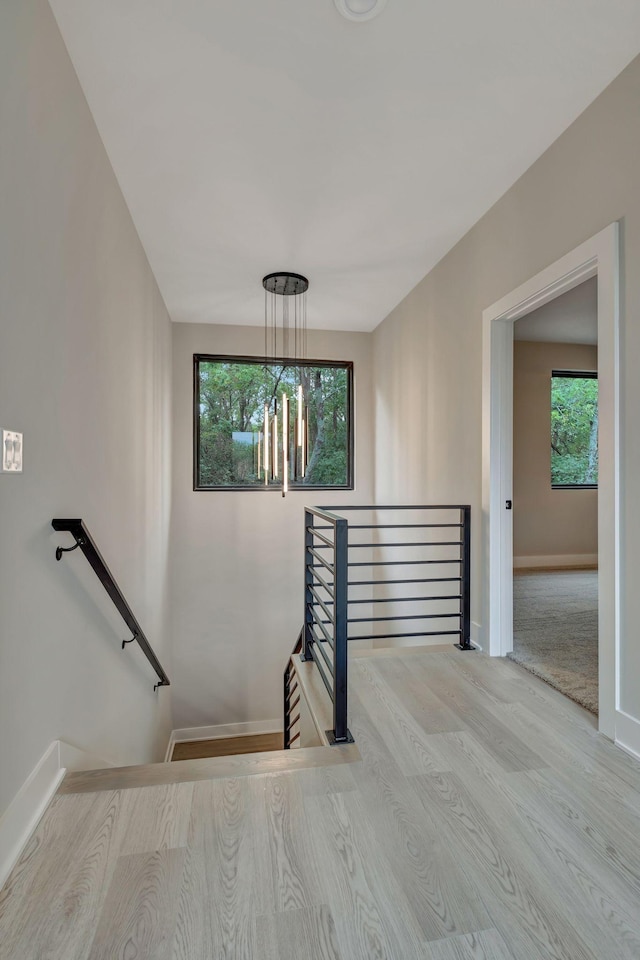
<point x="486" y="820"/>
<point x="227" y="747"/>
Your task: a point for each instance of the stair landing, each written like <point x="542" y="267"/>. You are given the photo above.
<point x="209" y="768"/>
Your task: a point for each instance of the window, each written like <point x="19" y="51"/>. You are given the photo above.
<point x="229" y="398"/>
<point x="574" y="429"/>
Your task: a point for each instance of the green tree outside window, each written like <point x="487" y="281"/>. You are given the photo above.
<point x="230" y="394"/>
<point x="574" y="429"/>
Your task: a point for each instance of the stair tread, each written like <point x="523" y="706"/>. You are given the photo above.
<point x="227" y="746"/>
<point x="209" y="768"/>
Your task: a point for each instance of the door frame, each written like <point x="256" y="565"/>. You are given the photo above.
<point x="598" y="256"/>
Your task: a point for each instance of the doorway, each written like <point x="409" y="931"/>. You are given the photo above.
<point x="555" y="493"/>
<point x="597" y="257"/>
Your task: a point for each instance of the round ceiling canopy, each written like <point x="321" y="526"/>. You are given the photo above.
<point x="360" y="9"/>
<point x="285" y="284"/>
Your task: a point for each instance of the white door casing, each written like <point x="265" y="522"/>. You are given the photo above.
<point x="597" y="256"/>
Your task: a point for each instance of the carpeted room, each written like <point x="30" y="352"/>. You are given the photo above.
<point x="555" y="502"/>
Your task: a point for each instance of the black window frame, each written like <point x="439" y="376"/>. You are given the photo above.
<point x="277" y="361"/>
<point x="576" y="375"/>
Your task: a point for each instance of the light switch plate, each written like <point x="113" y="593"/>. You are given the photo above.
<point x="11" y="452"/>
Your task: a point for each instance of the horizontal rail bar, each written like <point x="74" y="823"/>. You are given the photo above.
<point x="327" y="612"/>
<point x="401" y="526"/>
<point x="84" y="540"/>
<point x="407" y="616"/>
<point x="329" y="543"/>
<point x="324" y="514"/>
<point x="454" y="596"/>
<point x="381" y="583"/>
<point x="410" y="543"/>
<point x="393" y="526"/>
<point x="392" y="506"/>
<point x="397" y="563"/>
<point x="323" y="562"/>
<point x="321" y="624"/>
<point x="401" y="636"/>
<point x="325" y="586"/>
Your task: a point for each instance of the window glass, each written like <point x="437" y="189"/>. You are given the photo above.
<point x="574" y="429"/>
<point x="230" y="394"/>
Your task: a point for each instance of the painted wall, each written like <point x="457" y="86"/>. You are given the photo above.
<point x="85" y="373"/>
<point x="237" y="575"/>
<point x="428" y="352"/>
<point x="546" y="522"/>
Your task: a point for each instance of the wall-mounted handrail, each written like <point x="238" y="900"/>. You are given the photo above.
<point x="84" y="540"/>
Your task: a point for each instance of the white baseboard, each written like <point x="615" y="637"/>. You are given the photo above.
<point x="222" y="731"/>
<point x="34" y="796"/>
<point x="25" y="810"/>
<point x="386" y="643"/>
<point x="558" y="560"/>
<point x="628" y="733"/>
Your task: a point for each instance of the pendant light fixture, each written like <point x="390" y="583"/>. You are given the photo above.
<point x="283" y="448"/>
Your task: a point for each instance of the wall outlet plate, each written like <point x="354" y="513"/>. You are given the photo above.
<point x="11" y="452"/>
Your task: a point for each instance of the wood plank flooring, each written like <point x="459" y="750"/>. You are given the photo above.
<point x="485" y="820"/>
<point x="227" y="746"/>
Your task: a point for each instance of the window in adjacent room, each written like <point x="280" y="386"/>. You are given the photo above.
<point x="574" y="429"/>
<point x="229" y="398"/>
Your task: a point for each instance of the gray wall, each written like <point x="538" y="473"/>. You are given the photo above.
<point x="546" y="522"/>
<point x="85" y="374"/>
<point x="428" y="352"/>
<point x="237" y="576"/>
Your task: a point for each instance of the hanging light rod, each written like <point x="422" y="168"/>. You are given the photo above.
<point x="284" y="454"/>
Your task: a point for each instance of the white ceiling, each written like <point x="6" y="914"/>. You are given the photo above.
<point x="571" y="318"/>
<point x="257" y="135"/>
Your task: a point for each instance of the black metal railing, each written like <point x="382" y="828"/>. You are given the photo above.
<point x="324" y="637"/>
<point x="84" y="541"/>
<point x="443" y="553"/>
<point x="292" y="722"/>
<point x="364" y="581"/>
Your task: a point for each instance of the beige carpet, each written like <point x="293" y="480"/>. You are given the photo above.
<point x="555" y="630"/>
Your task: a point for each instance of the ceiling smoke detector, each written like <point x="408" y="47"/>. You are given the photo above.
<point x="360" y="9"/>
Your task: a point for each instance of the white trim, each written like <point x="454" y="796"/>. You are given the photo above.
<point x="587" y="560"/>
<point x="222" y="731"/>
<point x="476" y="635"/>
<point x="596" y="256"/>
<point x="169" y="751"/>
<point x="25" y="810"/>
<point x="628" y="733"/>
<point x="34" y="796"/>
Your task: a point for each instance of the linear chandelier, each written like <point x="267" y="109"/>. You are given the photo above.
<point x="283" y="448"/>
